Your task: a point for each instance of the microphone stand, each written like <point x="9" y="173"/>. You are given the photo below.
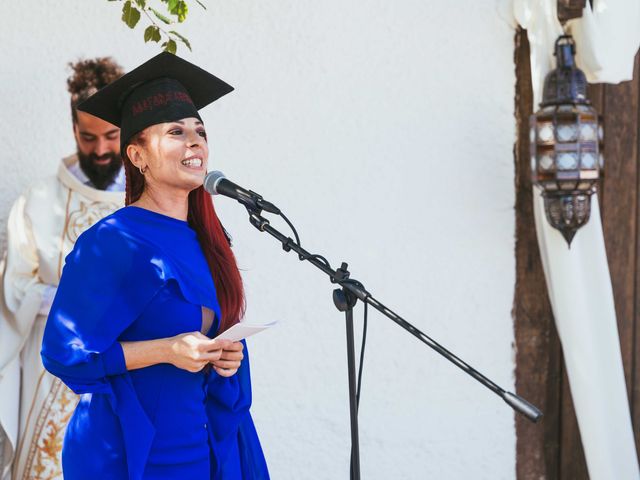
<point x="345" y="299"/>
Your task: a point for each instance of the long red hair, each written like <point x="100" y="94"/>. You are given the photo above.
<point x="213" y="241"/>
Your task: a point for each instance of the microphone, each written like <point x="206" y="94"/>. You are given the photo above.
<point x="217" y="184"/>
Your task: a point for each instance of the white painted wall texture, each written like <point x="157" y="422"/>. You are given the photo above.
<point x="385" y="130"/>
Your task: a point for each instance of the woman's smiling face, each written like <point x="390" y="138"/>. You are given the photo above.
<point x="174" y="154"/>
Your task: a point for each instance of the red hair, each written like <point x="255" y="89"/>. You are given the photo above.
<point x="215" y="246"/>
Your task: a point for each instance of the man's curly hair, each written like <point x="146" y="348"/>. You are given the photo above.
<point x="88" y="77"/>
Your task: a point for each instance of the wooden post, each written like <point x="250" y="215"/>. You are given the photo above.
<point x="537" y="346"/>
<point x="568" y="9"/>
<point x="552" y="450"/>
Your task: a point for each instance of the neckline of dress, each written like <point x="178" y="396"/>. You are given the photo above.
<point x="158" y="215"/>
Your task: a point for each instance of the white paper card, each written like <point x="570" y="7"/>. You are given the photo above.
<point x="241" y="331"/>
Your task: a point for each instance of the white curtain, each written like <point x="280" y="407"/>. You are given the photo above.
<point x="578" y="279"/>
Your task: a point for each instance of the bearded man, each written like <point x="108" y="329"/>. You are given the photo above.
<point x="43" y="226"/>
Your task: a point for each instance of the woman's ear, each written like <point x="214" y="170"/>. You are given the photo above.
<point x="134" y="154"/>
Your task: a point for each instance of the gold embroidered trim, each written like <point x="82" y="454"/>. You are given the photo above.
<point x="64" y="229"/>
<point x="84" y="217"/>
<point x="44" y="459"/>
<point x="18" y="454"/>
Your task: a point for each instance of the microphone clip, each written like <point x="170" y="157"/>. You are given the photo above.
<point x="263" y="204"/>
<point x="255" y="203"/>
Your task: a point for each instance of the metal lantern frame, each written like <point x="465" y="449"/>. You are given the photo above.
<point x="567" y="144"/>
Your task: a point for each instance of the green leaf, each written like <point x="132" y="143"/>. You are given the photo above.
<point x="141" y="3"/>
<point x="130" y="14"/>
<point x="201" y="4"/>
<point x="180" y="9"/>
<point x="147" y="33"/>
<point x="160" y="16"/>
<point x="171" y="5"/>
<point x="170" y="46"/>
<point x="181" y="38"/>
<point x="152" y="33"/>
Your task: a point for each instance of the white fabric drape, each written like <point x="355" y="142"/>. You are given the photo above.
<point x="578" y="279"/>
<point x="607" y="37"/>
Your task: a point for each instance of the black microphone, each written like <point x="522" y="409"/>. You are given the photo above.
<point x="217" y="184"/>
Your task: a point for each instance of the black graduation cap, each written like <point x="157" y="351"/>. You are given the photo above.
<point x="163" y="89"/>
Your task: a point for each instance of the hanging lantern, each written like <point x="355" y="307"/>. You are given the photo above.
<point x="566" y="138"/>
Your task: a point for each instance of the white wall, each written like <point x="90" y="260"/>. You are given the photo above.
<point x="385" y="130"/>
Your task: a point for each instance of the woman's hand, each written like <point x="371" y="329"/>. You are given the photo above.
<point x="230" y="359"/>
<point x="192" y="351"/>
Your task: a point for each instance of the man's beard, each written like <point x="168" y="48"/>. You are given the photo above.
<point x="100" y="175"/>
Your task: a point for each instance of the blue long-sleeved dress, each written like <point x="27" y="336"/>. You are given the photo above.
<point x="139" y="275"/>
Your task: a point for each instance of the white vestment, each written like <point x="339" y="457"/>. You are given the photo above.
<point x="43" y="226"/>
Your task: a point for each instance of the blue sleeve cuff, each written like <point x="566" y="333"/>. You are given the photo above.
<point x="113" y="360"/>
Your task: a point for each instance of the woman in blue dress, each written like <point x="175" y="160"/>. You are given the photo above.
<point x="143" y="293"/>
